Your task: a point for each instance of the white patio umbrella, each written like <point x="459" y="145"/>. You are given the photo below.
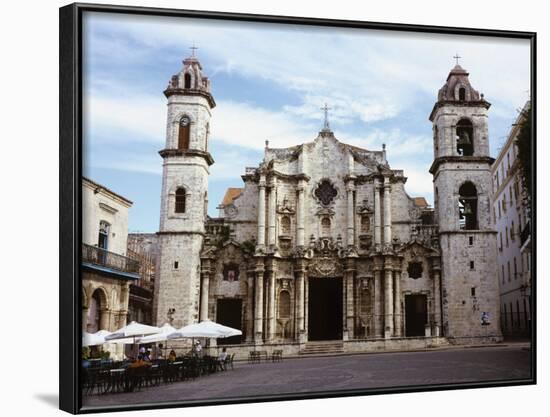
<point x="133" y="331"/>
<point x="165" y="330"/>
<point x="94" y="339"/>
<point x="206" y="328"/>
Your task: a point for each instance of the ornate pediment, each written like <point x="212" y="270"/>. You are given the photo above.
<point x="326" y="246"/>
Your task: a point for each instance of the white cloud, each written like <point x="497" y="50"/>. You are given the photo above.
<point x="125" y="118"/>
<point x="249" y="126"/>
<point x="379" y="67"/>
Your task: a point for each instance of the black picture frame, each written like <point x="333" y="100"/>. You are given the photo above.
<point x="70" y="123"/>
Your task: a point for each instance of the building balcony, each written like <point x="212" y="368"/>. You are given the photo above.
<point x="101" y="260"/>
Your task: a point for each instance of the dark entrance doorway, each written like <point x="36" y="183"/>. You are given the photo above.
<point x="325" y="309"/>
<point x="416" y="314"/>
<point x="228" y="313"/>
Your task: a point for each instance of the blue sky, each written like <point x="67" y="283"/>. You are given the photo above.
<point x="269" y="82"/>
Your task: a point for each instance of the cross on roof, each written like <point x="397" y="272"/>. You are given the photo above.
<point x="326" y="108"/>
<point x="457" y="57"/>
<point x="193" y="48"/>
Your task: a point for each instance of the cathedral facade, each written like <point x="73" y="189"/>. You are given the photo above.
<point x="322" y="242"/>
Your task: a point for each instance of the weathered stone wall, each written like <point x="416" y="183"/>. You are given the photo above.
<point x="100" y="204"/>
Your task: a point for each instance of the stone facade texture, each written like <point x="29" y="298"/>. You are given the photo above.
<point x="327" y="222"/>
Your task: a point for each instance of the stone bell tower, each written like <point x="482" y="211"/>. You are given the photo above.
<point x="186" y="163"/>
<point x="462" y="193"/>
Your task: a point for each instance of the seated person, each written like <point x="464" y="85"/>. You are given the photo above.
<point x="222" y="357"/>
<point x="172" y="356"/>
<point x="139" y="363"/>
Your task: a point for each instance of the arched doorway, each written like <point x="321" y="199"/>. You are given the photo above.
<point x="95" y="310"/>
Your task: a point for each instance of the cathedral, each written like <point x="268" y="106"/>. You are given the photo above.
<point x="322" y="242"/>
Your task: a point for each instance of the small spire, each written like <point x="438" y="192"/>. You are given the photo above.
<point x="457" y="57"/>
<point x="266" y="144"/>
<point x="326" y="108"/>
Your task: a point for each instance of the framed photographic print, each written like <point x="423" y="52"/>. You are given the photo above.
<point x="259" y="208"/>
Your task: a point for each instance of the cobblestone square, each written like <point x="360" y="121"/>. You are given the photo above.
<point x="348" y="372"/>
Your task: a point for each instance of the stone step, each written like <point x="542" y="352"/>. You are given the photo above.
<point x="315" y="348"/>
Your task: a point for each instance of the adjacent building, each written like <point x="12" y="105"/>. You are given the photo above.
<point x="512" y="220"/>
<point x="107" y="272"/>
<point x="142" y="247"/>
<point x="322" y="243"/>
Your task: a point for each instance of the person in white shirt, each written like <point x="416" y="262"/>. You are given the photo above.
<point x="222" y="357"/>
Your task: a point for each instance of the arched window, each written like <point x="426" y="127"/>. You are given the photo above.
<point x="187" y="80"/>
<point x="436" y="140"/>
<point x="325" y="226"/>
<point x="180" y="201"/>
<point x="284" y="305"/>
<point x="184" y="133"/>
<point x="285" y="226"/>
<point x="462" y="94"/>
<point x="467" y="206"/>
<point x="465" y="138"/>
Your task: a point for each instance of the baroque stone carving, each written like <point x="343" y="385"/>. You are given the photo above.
<point x="325" y="267"/>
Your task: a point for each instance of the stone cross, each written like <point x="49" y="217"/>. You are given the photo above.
<point x="326" y="108"/>
<point x="457" y="57"/>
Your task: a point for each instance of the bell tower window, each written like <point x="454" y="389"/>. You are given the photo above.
<point x="187" y="80"/>
<point x="180" y="201"/>
<point x="462" y="94"/>
<point x="467" y="206"/>
<point x="184" y="133"/>
<point x="465" y="138"/>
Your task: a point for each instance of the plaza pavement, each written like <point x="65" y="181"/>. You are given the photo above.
<point x="343" y="372"/>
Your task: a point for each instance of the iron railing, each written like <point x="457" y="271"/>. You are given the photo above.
<point x="101" y="257"/>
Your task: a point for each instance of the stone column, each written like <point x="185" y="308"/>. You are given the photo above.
<point x="388" y="304"/>
<point x="299" y="300"/>
<point x="104" y="319"/>
<point x="349" y="310"/>
<point x="259" y="313"/>
<point x="378" y="319"/>
<point x="300" y="229"/>
<point x="350" y="188"/>
<point x="377" y="215"/>
<point x="271" y="213"/>
<point x="437" y="302"/>
<point x="387" y="211"/>
<point x="261" y="211"/>
<point x="85" y="319"/>
<point x="271" y="305"/>
<point x="249" y="309"/>
<point x="398" y="314"/>
<point x="205" y="284"/>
